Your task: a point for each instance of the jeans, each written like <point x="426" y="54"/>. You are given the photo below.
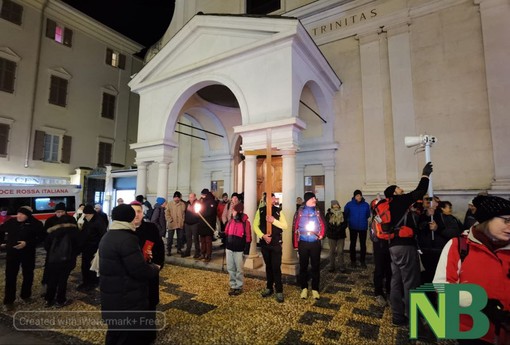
<point x="362" y="244"/>
<point x="191" y="231"/>
<point x="405" y="269"/>
<point x="170" y="239"/>
<point x="235" y="269"/>
<point x="336" y="246"/>
<point x="309" y="252"/>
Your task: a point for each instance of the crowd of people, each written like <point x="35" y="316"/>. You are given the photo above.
<point x="124" y="256"/>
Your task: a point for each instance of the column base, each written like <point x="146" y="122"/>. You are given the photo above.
<point x="253" y="262"/>
<point x="290" y="269"/>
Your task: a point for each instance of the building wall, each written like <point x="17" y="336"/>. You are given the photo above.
<point x="84" y="64"/>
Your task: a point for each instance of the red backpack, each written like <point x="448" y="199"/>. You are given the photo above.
<point x="381" y="219"/>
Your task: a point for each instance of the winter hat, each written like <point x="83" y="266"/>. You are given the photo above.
<point x="177" y="194"/>
<point x="488" y="207"/>
<point x="25" y="210"/>
<point x="388" y="192"/>
<point x="135" y="203"/>
<point x="89" y="209"/>
<point x="334" y="202"/>
<point x="160" y="200"/>
<point x="139" y="198"/>
<point x="204" y="191"/>
<point x="60" y="207"/>
<point x="356" y="192"/>
<point x="123" y="213"/>
<point x="308" y="196"/>
<point x="239" y="207"/>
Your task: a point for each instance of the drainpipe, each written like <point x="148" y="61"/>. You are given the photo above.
<point x="36" y="79"/>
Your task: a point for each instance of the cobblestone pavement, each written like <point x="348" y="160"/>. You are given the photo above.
<point x="197" y="309"/>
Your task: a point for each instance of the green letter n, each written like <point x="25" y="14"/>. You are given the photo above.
<point x="437" y="320"/>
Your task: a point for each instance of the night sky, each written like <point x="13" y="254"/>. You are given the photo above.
<point x="144" y="21"/>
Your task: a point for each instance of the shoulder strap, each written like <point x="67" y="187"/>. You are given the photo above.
<point x="463" y="247"/>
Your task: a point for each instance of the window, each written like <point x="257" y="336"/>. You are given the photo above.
<point x="108" y="108"/>
<point x="58" y="33"/>
<point x="115" y="59"/>
<point x="11" y="11"/>
<point x="105" y="154"/>
<point x="58" y="91"/>
<point x="52" y="146"/>
<point x="4" y="138"/>
<point x="7" y="75"/>
<point x="262" y="6"/>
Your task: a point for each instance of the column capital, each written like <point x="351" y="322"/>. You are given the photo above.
<point x="368" y="37"/>
<point x="398" y="28"/>
<point x="484" y="4"/>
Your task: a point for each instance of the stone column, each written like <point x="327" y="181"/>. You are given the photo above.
<point x="496" y="32"/>
<point x="402" y="102"/>
<point x="141" y="178"/>
<point x="329" y="177"/>
<point x="162" y="189"/>
<point x="250" y="207"/>
<point x="289" y="256"/>
<point x="300" y="182"/>
<point x="373" y="112"/>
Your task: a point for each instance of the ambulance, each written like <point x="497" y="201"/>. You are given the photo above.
<point x="41" y="198"/>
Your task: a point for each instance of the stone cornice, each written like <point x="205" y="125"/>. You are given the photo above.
<point x="75" y="19"/>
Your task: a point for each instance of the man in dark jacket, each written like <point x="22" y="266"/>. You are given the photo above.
<point x="405" y="264"/>
<point x="208" y="210"/>
<point x="191" y="220"/>
<point x="24" y="232"/>
<point x="356" y="213"/>
<point x="62" y="247"/>
<point x="93" y="229"/>
<point x="125" y="276"/>
<point x="158" y="215"/>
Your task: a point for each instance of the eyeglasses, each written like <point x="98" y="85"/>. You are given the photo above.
<point x="506" y="220"/>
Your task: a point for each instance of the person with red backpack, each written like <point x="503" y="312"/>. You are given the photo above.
<point x="405" y="264"/>
<point x="483" y="259"/>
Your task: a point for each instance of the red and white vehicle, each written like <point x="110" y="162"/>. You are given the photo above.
<point x="41" y="198"/>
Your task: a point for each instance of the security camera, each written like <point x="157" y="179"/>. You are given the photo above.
<point x="421" y="140"/>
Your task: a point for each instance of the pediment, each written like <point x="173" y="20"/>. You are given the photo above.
<point x="60" y="72"/>
<point x="9" y="54"/>
<point x="213" y="38"/>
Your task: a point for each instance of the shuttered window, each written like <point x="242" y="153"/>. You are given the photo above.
<point x="115" y="59"/>
<point x="11" y="11"/>
<point x="105" y="154"/>
<point x="108" y="106"/>
<point x="4" y="138"/>
<point x="7" y="75"/>
<point x="58" y="33"/>
<point x="58" y="91"/>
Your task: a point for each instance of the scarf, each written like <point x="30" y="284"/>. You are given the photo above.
<point x="336" y="217"/>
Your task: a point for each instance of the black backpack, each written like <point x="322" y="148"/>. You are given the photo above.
<point x="61" y="250"/>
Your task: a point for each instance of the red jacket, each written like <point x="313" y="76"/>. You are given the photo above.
<point x="238" y="233"/>
<point x="482" y="267"/>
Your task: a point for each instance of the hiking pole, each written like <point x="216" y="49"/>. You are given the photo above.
<point x="425" y="141"/>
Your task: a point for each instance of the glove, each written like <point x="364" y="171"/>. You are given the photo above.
<point x="427" y="169"/>
<point x="496" y="314"/>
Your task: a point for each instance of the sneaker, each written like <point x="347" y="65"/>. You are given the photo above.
<point x="315" y="294"/>
<point x="9" y="307"/>
<point x="62" y="304"/>
<point x="237" y="292"/>
<point x="196" y="256"/>
<point x="380" y="300"/>
<point x="304" y="293"/>
<point x="208" y="259"/>
<point x="266" y="293"/>
<point x="232" y="292"/>
<point x="279" y="297"/>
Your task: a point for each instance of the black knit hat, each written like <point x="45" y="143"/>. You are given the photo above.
<point x="60" y="207"/>
<point x="204" y="191"/>
<point x="89" y="209"/>
<point x="235" y="195"/>
<point x="25" y="210"/>
<point x="123" y="213"/>
<point x="356" y="192"/>
<point x="388" y="192"/>
<point x="308" y="196"/>
<point x="177" y="194"/>
<point x="488" y="207"/>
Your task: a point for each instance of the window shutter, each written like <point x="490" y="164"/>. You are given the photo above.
<point x="63" y="92"/>
<point x="53" y="90"/>
<point x="66" y="149"/>
<point x="51" y="26"/>
<point x="7" y="75"/>
<point x="38" y="153"/>
<point x="68" y="37"/>
<point x="4" y="138"/>
<point x="109" y="54"/>
<point x="122" y="61"/>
